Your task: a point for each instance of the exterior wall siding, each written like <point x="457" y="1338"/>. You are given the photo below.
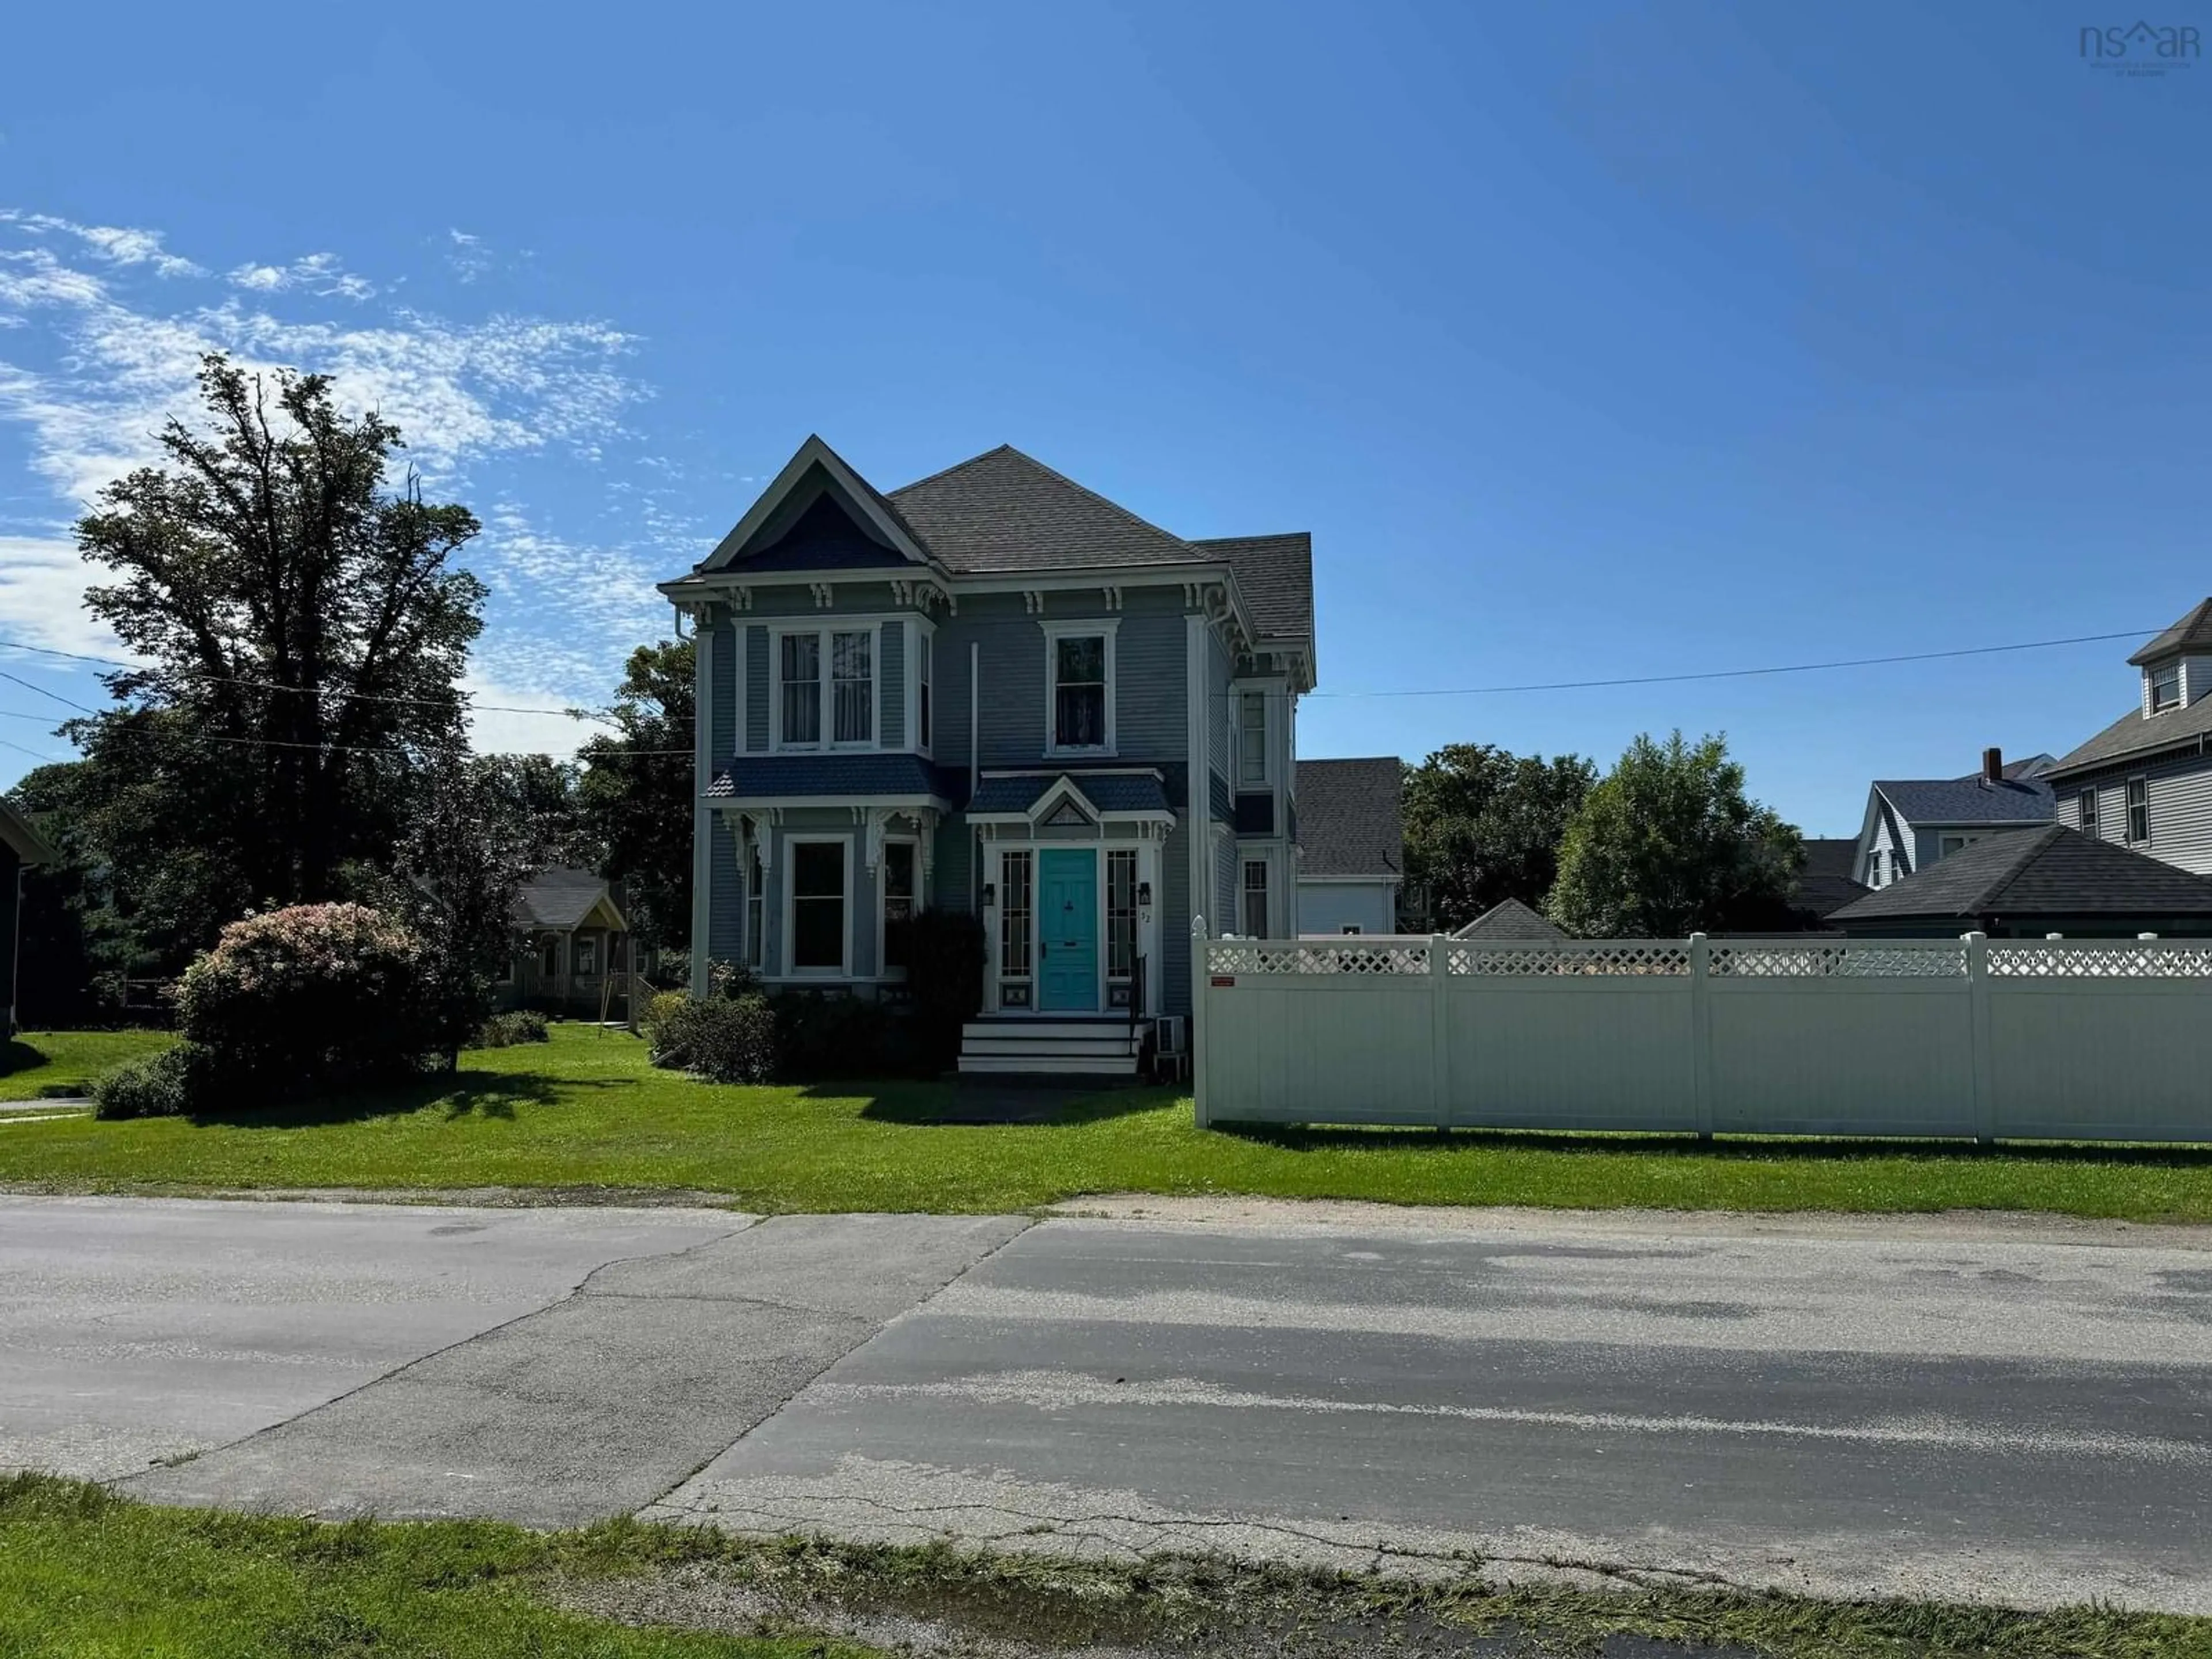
<point x="726" y="901"/>
<point x="757" y="669"/>
<point x="1224" y="886"/>
<point x="1330" y="906"/>
<point x="890" y="675"/>
<point x="722" y="726"/>
<point x="2177" y="789"/>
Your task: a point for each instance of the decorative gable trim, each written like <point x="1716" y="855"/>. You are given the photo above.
<point x="858" y="496"/>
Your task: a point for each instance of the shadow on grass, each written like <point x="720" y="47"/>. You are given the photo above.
<point x="16" y="1055"/>
<point x="917" y="1102"/>
<point x="1738" y="1149"/>
<point x="492" y="1094"/>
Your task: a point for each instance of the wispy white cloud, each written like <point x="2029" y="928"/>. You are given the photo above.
<point x="466" y="255"/>
<point x="42" y="583"/>
<point x="99" y="356"/>
<point x="109" y="242"/>
<point x="319" y="274"/>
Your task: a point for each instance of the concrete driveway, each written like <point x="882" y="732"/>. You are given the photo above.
<point x="1969" y="1410"/>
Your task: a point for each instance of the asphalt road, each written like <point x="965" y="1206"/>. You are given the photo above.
<point x="1910" y="1408"/>
<point x="1980" y="1417"/>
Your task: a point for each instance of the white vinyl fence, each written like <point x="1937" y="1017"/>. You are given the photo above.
<point x="2073" y="1040"/>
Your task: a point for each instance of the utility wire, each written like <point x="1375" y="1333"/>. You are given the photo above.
<point x="42" y="691"/>
<point x="273" y="685"/>
<point x="1740" y="673"/>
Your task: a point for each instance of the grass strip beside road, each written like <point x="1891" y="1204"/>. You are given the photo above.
<point x="585" y="1112"/>
<point x="85" y="1573"/>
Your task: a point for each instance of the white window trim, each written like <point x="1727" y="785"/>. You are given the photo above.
<point x="755" y="911"/>
<point x="789" y="858"/>
<point x="872" y="627"/>
<point x="1266" y="777"/>
<point x="920" y="630"/>
<point x="2087" y="819"/>
<point x="1104" y="627"/>
<point x="2128" y="809"/>
<point x="883" y="970"/>
<point x="2150" y="689"/>
<point x="1265" y="860"/>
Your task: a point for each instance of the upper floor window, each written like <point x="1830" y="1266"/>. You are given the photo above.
<point x="2138" y="810"/>
<point x="921" y="694"/>
<point x="1252" y="738"/>
<point x="2086" y="805"/>
<point x="853" y="669"/>
<point x="842" y="702"/>
<point x="799" y="687"/>
<point x="1254" y="908"/>
<point x="1079" y="685"/>
<point x="2165" y="686"/>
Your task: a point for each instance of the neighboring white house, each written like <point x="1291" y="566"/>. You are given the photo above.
<point x="1351" y="849"/>
<point x="1913" y="824"/>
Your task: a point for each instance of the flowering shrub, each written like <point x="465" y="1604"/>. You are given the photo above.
<point x="317" y="995"/>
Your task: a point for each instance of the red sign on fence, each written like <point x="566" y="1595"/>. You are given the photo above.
<point x="1221" y="980"/>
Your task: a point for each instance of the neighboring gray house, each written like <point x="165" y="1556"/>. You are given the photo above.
<point x="20" y="845"/>
<point x="1510" y="922"/>
<point x="576" y="960"/>
<point x="992" y="691"/>
<point x="1826" y="880"/>
<point x="1351" y="848"/>
<point x="2146" y="779"/>
<point x="1912" y="823"/>
<point x="2034" y="882"/>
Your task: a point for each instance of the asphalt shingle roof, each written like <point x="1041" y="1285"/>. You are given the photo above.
<point x="560" y="899"/>
<point x="1275" y="575"/>
<point x="1004" y="511"/>
<point x="2137" y="733"/>
<point x="1969" y="800"/>
<point x="1509" y="919"/>
<point x="749" y="777"/>
<point x="1826" y="882"/>
<point x="1348" y="817"/>
<point x="2053" y="872"/>
<point x="2193" y="633"/>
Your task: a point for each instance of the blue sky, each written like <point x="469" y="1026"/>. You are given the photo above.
<point x="1588" y="340"/>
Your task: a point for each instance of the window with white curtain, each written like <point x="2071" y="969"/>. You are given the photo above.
<point x="853" y="686"/>
<point x="799" y="666"/>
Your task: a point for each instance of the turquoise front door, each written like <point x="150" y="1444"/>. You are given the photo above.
<point x="1067" y="930"/>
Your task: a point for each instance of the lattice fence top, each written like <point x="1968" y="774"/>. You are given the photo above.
<point x="1835" y="959"/>
<point x="1593" y="959"/>
<point x="1725" y="959"/>
<point x="2122" y="960"/>
<point x="1355" y="954"/>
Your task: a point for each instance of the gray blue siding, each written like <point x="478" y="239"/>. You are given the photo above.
<point x="757" y="668"/>
<point x="891" y="676"/>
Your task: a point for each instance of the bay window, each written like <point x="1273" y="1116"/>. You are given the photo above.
<point x="853" y="679"/>
<point x="898" y="904"/>
<point x="818" y="930"/>
<point x="1252" y="739"/>
<point x="799" y="687"/>
<point x="825" y="685"/>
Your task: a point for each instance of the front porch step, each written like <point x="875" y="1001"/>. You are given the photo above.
<point x="1048" y="1065"/>
<point x="1103" y="1045"/>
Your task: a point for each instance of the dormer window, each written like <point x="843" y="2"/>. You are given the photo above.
<point x="2165" y="687"/>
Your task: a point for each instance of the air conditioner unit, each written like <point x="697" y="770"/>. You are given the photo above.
<point x="1171" y="1033"/>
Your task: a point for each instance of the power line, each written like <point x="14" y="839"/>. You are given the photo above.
<point x="42" y="691"/>
<point x="1742" y="673"/>
<point x="312" y="690"/>
<point x="48" y="760"/>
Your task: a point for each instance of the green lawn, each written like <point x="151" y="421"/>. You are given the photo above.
<point x="585" y="1110"/>
<point x="85" y="1574"/>
<point x="41" y="1063"/>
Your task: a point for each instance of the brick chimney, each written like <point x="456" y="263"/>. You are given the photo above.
<point x="1992" y="766"/>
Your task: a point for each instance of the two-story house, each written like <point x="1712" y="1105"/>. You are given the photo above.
<point x="1913" y="824"/>
<point x="2146" y="779"/>
<point x="993" y="690"/>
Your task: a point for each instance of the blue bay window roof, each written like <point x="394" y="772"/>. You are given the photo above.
<point x="772" y="777"/>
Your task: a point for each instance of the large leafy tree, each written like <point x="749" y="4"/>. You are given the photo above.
<point x="1669" y="843"/>
<point x="303" y="627"/>
<point x="67" y="926"/>
<point x="1484" y="826"/>
<point x="637" y="789"/>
